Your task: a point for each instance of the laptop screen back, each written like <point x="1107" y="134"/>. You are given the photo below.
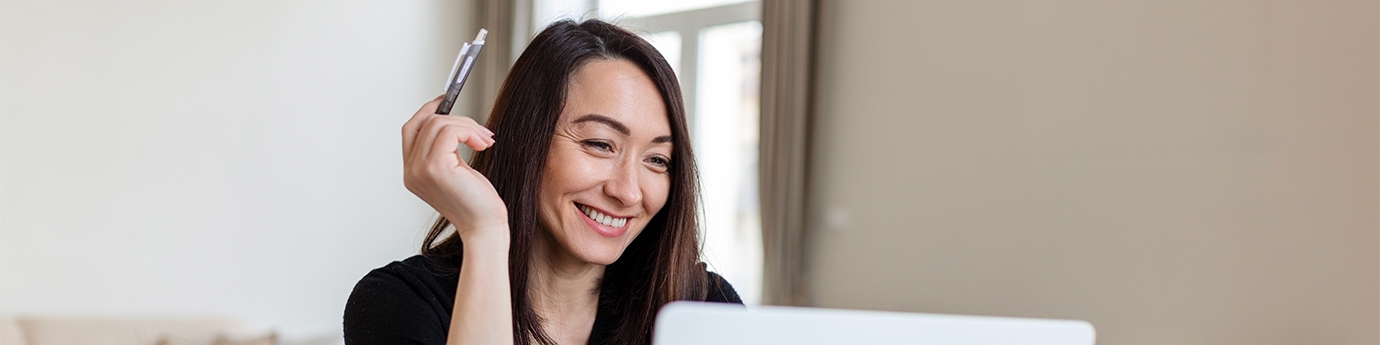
<point x="689" y="323"/>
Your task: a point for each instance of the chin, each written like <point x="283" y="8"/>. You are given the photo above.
<point x="599" y="255"/>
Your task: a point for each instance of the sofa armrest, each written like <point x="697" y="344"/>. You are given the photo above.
<point x="110" y="331"/>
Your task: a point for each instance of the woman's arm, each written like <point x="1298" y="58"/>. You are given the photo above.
<point x="434" y="171"/>
<point x="483" y="303"/>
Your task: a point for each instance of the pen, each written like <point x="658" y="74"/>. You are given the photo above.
<point x="461" y="71"/>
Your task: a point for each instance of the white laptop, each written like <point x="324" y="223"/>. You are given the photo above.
<point x="687" y="323"/>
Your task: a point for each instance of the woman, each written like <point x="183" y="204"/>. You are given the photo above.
<point x="575" y="228"/>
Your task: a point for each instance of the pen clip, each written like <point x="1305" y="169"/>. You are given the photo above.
<point x="456" y="66"/>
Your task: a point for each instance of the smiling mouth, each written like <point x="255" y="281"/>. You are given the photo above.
<point x="601" y="218"/>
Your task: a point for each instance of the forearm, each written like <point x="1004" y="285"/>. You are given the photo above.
<point x="483" y="313"/>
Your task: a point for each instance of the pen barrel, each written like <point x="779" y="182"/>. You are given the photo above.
<point x="461" y="72"/>
<point x="448" y="102"/>
<point x="467" y="65"/>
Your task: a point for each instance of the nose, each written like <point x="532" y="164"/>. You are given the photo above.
<point x="622" y="184"/>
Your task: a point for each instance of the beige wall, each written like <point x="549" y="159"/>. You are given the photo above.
<point x="230" y="158"/>
<point x="1175" y="172"/>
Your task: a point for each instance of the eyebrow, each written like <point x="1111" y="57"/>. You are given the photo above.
<point x="617" y="126"/>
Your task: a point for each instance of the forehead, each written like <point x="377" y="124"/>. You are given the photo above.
<point x="617" y="89"/>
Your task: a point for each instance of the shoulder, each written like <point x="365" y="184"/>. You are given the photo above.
<point x="402" y="301"/>
<point x="720" y="290"/>
<point x="417" y="276"/>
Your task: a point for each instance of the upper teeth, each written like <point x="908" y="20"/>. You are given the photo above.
<point x="603" y="218"/>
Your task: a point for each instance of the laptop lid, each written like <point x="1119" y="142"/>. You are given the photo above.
<point x="692" y="323"/>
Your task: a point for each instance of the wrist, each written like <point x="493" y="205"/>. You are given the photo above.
<point x="486" y="238"/>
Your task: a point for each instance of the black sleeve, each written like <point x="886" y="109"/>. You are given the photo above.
<point x="721" y="291"/>
<point x="386" y="308"/>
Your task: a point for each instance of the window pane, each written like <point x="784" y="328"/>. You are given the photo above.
<point x="668" y="43"/>
<point x="725" y="140"/>
<point x="545" y="12"/>
<point x="643" y="8"/>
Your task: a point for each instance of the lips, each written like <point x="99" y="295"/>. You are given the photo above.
<point x="602" y="223"/>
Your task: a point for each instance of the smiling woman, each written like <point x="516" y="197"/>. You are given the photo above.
<point x="576" y="222"/>
<point x="612" y="170"/>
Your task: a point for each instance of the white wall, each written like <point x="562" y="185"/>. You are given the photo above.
<point x="1174" y="171"/>
<point x="232" y="158"/>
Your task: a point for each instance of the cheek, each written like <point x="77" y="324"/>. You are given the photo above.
<point x="656" y="193"/>
<point x="565" y="170"/>
<point x="564" y="174"/>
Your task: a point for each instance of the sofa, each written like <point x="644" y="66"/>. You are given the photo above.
<point x="127" y="331"/>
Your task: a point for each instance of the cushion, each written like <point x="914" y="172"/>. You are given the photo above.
<point x="96" y="331"/>
<point x="270" y="338"/>
<point x="9" y="331"/>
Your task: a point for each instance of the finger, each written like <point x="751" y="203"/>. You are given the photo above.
<point x="470" y="122"/>
<point x="478" y="137"/>
<point x="459" y="129"/>
<point x="426" y="135"/>
<point x="447" y="143"/>
<point x="479" y="141"/>
<point x="413" y="124"/>
<point x="482" y="132"/>
<point x="475" y="137"/>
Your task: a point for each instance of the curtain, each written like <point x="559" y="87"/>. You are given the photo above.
<point x="497" y="57"/>
<point x="787" y="47"/>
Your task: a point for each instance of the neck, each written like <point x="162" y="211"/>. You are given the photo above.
<point x="564" y="289"/>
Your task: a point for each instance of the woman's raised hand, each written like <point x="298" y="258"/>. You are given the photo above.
<point x="435" y="172"/>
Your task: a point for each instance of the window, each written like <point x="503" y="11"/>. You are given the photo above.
<point x="715" y="48"/>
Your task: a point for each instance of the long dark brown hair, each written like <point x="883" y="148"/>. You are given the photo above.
<point x="662" y="264"/>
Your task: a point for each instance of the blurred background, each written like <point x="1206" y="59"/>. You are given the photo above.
<point x="1175" y="172"/>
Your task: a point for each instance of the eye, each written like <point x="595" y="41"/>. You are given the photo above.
<point x="598" y="145"/>
<point x="661" y="163"/>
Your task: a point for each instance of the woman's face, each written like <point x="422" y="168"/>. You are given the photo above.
<point x="606" y="174"/>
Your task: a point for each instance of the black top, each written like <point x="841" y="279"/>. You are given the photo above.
<point x="409" y="302"/>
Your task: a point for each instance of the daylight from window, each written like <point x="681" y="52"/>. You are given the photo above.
<point x="614" y="9"/>
<point x="725" y="131"/>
